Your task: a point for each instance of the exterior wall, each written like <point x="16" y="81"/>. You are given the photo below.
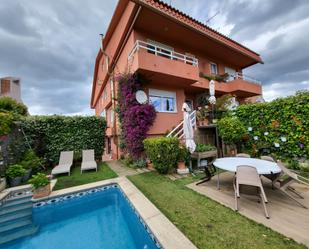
<point x="10" y="87"/>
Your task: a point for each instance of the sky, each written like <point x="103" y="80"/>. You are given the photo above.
<point x="52" y="45"/>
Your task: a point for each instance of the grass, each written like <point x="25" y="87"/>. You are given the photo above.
<point x="205" y="222"/>
<point x="76" y="178"/>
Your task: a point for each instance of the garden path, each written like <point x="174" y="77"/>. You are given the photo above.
<point x="122" y="170"/>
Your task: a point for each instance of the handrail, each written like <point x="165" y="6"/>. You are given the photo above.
<point x="158" y="50"/>
<point x="178" y="131"/>
<point x="247" y="78"/>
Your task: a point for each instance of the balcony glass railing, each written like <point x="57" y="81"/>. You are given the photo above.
<point x="164" y="52"/>
<point x="247" y="78"/>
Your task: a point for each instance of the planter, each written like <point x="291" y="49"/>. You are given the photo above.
<point x="27" y="175"/>
<point x="2" y="184"/>
<point x="15" y="181"/>
<point x="150" y="166"/>
<point x="42" y="192"/>
<point x="205" y="154"/>
<point x="181" y="165"/>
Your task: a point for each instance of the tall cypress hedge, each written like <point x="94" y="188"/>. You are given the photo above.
<point x="282" y="118"/>
<point x="49" y="135"/>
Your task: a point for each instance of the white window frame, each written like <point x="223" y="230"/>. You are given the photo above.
<point x="163" y="94"/>
<point x="217" y="69"/>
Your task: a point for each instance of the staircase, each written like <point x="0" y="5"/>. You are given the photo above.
<point x="16" y="216"/>
<point x="178" y="130"/>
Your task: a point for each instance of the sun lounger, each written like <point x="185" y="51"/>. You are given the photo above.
<point x="248" y="175"/>
<point x="65" y="163"/>
<point x="288" y="178"/>
<point x="88" y="161"/>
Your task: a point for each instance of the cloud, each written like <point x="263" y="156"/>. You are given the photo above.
<point x="51" y="45"/>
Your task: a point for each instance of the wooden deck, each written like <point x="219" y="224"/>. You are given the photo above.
<point x="286" y="216"/>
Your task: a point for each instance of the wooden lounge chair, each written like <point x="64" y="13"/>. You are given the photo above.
<point x="289" y="177"/>
<point x="65" y="163"/>
<point x="243" y="155"/>
<point x="88" y="161"/>
<point x="248" y="175"/>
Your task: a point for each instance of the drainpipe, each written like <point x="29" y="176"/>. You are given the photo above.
<point x="112" y="74"/>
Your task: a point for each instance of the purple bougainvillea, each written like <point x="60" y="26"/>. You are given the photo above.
<point x="135" y="119"/>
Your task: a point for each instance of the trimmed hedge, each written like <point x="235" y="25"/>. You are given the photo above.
<point x="163" y="152"/>
<point x="49" y="135"/>
<point x="284" y="117"/>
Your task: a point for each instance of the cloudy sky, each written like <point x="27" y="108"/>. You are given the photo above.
<point x="51" y="45"/>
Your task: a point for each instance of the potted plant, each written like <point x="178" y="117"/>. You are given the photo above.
<point x="31" y="163"/>
<point x="41" y="185"/>
<point x="204" y="151"/>
<point x="15" y="174"/>
<point x="231" y="130"/>
<point x="202" y="116"/>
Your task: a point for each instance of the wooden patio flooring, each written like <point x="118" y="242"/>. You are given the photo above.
<point x="286" y="216"/>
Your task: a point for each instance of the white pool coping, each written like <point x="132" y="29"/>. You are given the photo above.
<point x="169" y="236"/>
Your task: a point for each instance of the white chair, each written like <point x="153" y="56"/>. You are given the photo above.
<point x="88" y="161"/>
<point x="65" y="163"/>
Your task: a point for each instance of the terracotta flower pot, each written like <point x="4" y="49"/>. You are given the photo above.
<point x="42" y="192"/>
<point x="181" y="165"/>
<point x="150" y="166"/>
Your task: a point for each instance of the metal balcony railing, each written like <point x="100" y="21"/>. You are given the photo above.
<point x="164" y="52"/>
<point x="247" y="78"/>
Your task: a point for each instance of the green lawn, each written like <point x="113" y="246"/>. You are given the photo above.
<point x="205" y="222"/>
<point x="76" y="178"/>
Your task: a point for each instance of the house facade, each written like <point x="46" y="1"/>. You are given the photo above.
<point x="10" y="86"/>
<point x="176" y="53"/>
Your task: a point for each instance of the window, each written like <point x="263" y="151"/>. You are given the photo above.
<point x="213" y="68"/>
<point x="103" y="114"/>
<point x="160" y="49"/>
<point x="163" y="101"/>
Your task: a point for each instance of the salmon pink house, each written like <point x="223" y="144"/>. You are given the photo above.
<point x="178" y="54"/>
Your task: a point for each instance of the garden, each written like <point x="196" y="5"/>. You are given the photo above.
<point x="31" y="145"/>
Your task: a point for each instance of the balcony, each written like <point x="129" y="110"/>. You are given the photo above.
<point x="238" y="84"/>
<point x="163" y="64"/>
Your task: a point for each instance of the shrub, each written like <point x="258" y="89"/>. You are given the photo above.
<point x="163" y="152"/>
<point x="231" y="129"/>
<point x="49" y="135"/>
<point x="6" y="120"/>
<point x="31" y="161"/>
<point x="286" y="117"/>
<point x="15" y="171"/>
<point x="140" y="163"/>
<point x="204" y="147"/>
<point x="10" y="111"/>
<point x="39" y="180"/>
<point x="8" y="104"/>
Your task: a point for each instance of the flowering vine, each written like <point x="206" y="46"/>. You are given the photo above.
<point x="135" y="119"/>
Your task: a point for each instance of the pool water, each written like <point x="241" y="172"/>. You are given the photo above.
<point x="99" y="220"/>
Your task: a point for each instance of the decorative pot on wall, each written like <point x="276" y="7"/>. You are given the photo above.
<point x="27" y="176"/>
<point x="42" y="192"/>
<point x="15" y="181"/>
<point x="2" y="184"/>
<point x="181" y="165"/>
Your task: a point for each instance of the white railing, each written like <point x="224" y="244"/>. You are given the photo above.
<point x="178" y="130"/>
<point x="247" y="78"/>
<point x="161" y="51"/>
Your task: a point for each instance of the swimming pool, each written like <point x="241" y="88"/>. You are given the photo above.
<point x="97" y="218"/>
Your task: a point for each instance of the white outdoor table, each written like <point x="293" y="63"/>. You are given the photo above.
<point x="263" y="167"/>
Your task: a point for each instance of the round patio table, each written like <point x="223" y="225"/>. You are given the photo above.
<point x="263" y="167"/>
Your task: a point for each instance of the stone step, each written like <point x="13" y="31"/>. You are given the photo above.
<point x="15" y="225"/>
<point x="14" y="208"/>
<point x="15" y="216"/>
<point x="26" y="231"/>
<point x="17" y="200"/>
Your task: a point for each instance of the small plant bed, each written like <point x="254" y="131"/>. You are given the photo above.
<point x="76" y="178"/>
<point x="205" y="222"/>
